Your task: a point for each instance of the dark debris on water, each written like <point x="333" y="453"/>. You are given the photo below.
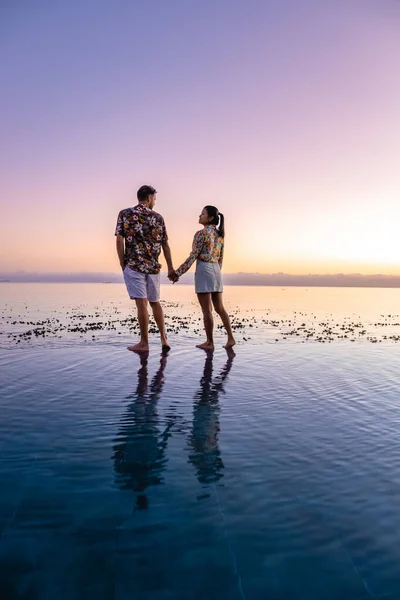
<point x="301" y="327"/>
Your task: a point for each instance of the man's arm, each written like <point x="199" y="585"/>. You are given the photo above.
<point x="121" y="251"/>
<point x="167" y="256"/>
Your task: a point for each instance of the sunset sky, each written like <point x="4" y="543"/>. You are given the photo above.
<point x="285" y="114"/>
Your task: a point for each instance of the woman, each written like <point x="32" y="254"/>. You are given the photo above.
<point x="208" y="251"/>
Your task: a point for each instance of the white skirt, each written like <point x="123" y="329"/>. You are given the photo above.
<point x="207" y="277"/>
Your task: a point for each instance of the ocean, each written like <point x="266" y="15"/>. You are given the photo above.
<point x="270" y="472"/>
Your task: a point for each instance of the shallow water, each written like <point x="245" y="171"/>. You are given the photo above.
<point x="269" y="474"/>
<point x="61" y="314"/>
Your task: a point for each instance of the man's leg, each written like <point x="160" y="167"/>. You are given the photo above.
<point x="153" y="294"/>
<point x="136" y="287"/>
<point x="206" y="307"/>
<point x="159" y="319"/>
<point x="143" y="318"/>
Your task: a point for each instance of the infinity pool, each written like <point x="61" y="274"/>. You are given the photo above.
<point x="271" y="472"/>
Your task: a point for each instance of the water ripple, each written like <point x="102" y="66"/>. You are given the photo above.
<point x="269" y="473"/>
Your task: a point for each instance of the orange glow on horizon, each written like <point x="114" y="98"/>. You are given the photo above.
<point x="288" y="124"/>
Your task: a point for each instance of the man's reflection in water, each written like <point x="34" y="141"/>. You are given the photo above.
<point x="204" y="453"/>
<point x="139" y="452"/>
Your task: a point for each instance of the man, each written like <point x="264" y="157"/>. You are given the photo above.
<point x="141" y="234"/>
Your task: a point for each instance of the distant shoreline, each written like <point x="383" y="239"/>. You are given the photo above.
<point x="355" y="280"/>
<point x="348" y="283"/>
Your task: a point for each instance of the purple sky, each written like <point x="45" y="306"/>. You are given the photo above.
<point x="284" y="114"/>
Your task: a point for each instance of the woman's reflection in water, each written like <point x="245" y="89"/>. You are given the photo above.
<point x="204" y="453"/>
<point x="139" y="452"/>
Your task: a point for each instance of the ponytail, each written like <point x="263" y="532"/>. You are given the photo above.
<point x="221" y="227"/>
<point x="217" y="219"/>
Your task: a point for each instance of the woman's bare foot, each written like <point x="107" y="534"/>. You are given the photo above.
<point x="206" y="346"/>
<point x="231" y="342"/>
<point x="140" y="347"/>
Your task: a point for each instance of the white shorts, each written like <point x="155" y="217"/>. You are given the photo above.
<point x="142" y="285"/>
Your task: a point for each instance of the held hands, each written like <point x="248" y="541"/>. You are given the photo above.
<point x="172" y="276"/>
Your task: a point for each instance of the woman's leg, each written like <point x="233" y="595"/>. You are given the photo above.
<point x="206" y="307"/>
<point x="220" y="310"/>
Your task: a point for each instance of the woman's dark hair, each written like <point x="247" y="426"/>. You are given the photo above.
<point x="217" y="219"/>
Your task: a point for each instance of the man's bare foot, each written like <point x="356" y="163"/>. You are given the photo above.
<point x="230" y="352"/>
<point x="231" y="342"/>
<point x="140" y="347"/>
<point x="206" y="346"/>
<point x="165" y="347"/>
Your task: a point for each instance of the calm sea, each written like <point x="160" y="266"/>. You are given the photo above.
<point x="271" y="473"/>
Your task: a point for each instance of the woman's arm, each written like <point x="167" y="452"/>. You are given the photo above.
<point x="221" y="254"/>
<point x="197" y="245"/>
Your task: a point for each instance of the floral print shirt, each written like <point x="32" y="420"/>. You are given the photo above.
<point x="208" y="246"/>
<point x="144" y="232"/>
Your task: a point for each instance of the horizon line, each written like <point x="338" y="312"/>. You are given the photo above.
<point x="278" y="279"/>
<point x="21" y="272"/>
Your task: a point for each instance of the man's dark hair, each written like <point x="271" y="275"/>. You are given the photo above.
<point x="144" y="192"/>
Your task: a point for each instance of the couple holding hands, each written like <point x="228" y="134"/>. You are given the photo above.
<point x="140" y="236"/>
